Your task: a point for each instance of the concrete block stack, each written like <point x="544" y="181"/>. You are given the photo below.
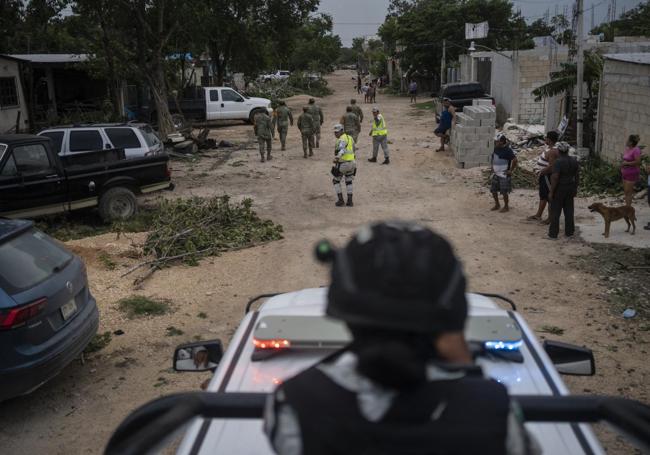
<point x="472" y="138"/>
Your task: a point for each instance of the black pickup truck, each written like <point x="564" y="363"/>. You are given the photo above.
<point x="460" y="94"/>
<point x="34" y="181"/>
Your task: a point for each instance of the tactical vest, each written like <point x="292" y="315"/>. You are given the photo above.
<point x="471" y="412"/>
<point x="349" y="147"/>
<point x="379" y="130"/>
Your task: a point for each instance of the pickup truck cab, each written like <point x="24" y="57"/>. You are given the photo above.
<point x="460" y="94"/>
<point x="35" y="181"/>
<point x="289" y="332"/>
<point x="218" y="103"/>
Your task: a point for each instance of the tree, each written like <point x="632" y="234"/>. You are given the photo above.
<point x="316" y="47"/>
<point x="635" y="22"/>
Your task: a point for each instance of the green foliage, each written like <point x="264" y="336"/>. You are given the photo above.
<point x="106" y="261"/>
<point x="316" y="48"/>
<point x="552" y="329"/>
<point x="139" y="305"/>
<point x="174" y="331"/>
<point x="347" y="56"/>
<point x="565" y="79"/>
<point x="635" y="22"/>
<point x="202" y="315"/>
<point x="598" y="177"/>
<point x="297" y="84"/>
<point x="188" y="229"/>
<point x="99" y="342"/>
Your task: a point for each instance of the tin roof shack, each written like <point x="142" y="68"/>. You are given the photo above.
<point x="59" y="89"/>
<point x="14" y="114"/>
<point x="624" y="103"/>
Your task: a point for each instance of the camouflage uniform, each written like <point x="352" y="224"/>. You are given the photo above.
<point x="264" y="133"/>
<point x="306" y="127"/>
<point x="282" y="117"/>
<point x="317" y="114"/>
<point x="351" y="124"/>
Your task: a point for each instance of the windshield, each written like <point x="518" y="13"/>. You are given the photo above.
<point x="150" y="136"/>
<point x="28" y="259"/>
<point x="2" y="150"/>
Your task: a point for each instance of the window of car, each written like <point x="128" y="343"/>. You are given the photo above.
<point x="86" y="141"/>
<point x="28" y="259"/>
<point x="149" y="135"/>
<point x="31" y="159"/>
<point x="214" y="95"/>
<point x="57" y="139"/>
<point x="123" y="138"/>
<point x="9" y="169"/>
<point x="231" y="95"/>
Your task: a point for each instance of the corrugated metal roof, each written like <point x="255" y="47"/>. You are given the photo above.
<point x="52" y="58"/>
<point x="642" y="58"/>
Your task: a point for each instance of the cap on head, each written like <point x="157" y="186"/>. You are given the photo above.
<point x="397" y="276"/>
<point x="338" y="128"/>
<point x="312" y="100"/>
<point x="305" y="108"/>
<point x="446" y="100"/>
<point x="500" y="137"/>
<point x="563" y="147"/>
<point x="375" y="109"/>
<point x="552" y="136"/>
<point x="353" y="101"/>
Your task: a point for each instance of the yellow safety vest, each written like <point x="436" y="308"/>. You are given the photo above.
<point x="380" y="130"/>
<point x="349" y="147"/>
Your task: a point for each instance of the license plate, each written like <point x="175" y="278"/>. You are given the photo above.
<point x="68" y="310"/>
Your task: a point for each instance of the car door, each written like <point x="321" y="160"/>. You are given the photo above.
<point x="233" y="104"/>
<point x="125" y="138"/>
<point x="213" y="105"/>
<point x="30" y="184"/>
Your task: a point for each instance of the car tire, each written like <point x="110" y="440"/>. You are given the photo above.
<point x="117" y="203"/>
<point x="251" y="117"/>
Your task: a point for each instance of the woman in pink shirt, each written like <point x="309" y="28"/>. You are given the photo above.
<point x="631" y="167"/>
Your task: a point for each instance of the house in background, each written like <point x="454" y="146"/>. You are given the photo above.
<point x="14" y="114"/>
<point x="624" y="103"/>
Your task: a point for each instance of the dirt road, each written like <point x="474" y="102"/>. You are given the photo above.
<point x="76" y="412"/>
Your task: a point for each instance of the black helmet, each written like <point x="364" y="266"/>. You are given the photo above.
<point x="396" y="276"/>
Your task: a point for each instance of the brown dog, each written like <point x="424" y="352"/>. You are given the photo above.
<point x="613" y="214"/>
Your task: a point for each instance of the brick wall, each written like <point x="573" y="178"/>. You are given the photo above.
<point x="533" y="72"/>
<point x="472" y="138"/>
<point x="624" y="108"/>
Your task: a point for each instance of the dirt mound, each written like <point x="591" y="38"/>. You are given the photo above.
<point x="299" y="100"/>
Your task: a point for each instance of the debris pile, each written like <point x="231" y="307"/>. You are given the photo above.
<point x="186" y="230"/>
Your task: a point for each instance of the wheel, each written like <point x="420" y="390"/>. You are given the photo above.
<point x="117" y="203"/>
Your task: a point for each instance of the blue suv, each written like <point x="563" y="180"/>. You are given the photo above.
<point x="47" y="314"/>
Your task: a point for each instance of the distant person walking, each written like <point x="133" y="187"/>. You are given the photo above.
<point x="372" y="93"/>
<point x="446" y="120"/>
<point x="413" y="92"/>
<point x="351" y="123"/>
<point x="306" y="127"/>
<point x="264" y="131"/>
<point x="631" y="167"/>
<point x="543" y="170"/>
<point x="504" y="162"/>
<point x="379" y="133"/>
<point x="359" y="84"/>
<point x="317" y="113"/>
<point x="282" y="118"/>
<point x="359" y="112"/>
<point x="564" y="188"/>
<point x="365" y="90"/>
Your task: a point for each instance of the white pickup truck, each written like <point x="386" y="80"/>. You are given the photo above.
<point x="290" y="332"/>
<point x="217" y="103"/>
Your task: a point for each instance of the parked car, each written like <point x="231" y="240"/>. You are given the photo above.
<point x="460" y="94"/>
<point x="137" y="139"/>
<point x="35" y="181"/>
<point x="290" y="332"/>
<point x="47" y="313"/>
<point x="279" y="75"/>
<point x="217" y="103"/>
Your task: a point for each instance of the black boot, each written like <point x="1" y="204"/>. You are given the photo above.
<point x="372" y="160"/>
<point x="340" y="202"/>
<point x="349" y="204"/>
<point x="268" y="156"/>
<point x="386" y="161"/>
<point x="263" y="157"/>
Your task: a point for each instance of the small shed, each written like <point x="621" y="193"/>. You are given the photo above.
<point x="14" y="112"/>
<point x="624" y="103"/>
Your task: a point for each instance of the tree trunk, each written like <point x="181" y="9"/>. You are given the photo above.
<point x="156" y="80"/>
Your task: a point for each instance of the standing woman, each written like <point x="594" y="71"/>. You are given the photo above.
<point x="631" y="167"/>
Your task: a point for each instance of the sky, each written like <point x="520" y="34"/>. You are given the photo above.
<point x="354" y="18"/>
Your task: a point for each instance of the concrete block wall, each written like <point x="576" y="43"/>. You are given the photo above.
<point x="625" y="107"/>
<point x="533" y="71"/>
<point x="472" y="138"/>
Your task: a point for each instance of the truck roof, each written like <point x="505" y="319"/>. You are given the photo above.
<point x="18" y="138"/>
<point x="240" y="372"/>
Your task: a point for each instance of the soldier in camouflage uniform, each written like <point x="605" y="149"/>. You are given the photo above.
<point x="351" y="123"/>
<point x="306" y="127"/>
<point x="357" y="109"/>
<point x="264" y="132"/>
<point x="317" y="113"/>
<point x="282" y="117"/>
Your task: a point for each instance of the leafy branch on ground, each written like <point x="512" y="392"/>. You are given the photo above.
<point x="139" y="305"/>
<point x="599" y="177"/>
<point x="521" y="178"/>
<point x="185" y="230"/>
<point x="99" y="342"/>
<point x="297" y="84"/>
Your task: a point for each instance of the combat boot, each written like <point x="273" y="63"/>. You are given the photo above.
<point x="372" y="160"/>
<point x="340" y="202"/>
<point x="268" y="156"/>
<point x="311" y="153"/>
<point x="304" y="153"/>
<point x="263" y="160"/>
<point x="350" y="204"/>
<point x="386" y="161"/>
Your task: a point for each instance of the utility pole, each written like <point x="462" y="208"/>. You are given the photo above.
<point x="580" y="70"/>
<point x="443" y="62"/>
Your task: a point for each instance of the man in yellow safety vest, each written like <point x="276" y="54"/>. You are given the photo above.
<point x="379" y="134"/>
<point x="345" y="165"/>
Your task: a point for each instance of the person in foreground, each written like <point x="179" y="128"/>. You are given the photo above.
<point x="407" y="383"/>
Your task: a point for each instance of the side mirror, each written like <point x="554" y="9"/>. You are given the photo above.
<point x="571" y="359"/>
<point x="199" y="356"/>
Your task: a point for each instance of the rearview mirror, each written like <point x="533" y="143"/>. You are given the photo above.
<point x="571" y="359"/>
<point x="200" y="356"/>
